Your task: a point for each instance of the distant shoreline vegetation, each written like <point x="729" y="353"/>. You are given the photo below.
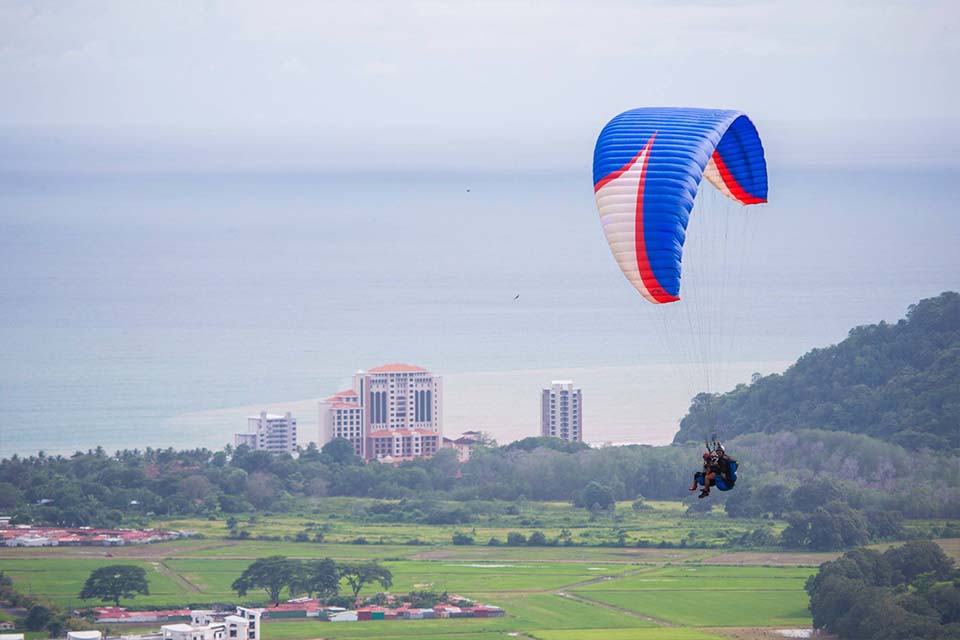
<point x="834" y="490"/>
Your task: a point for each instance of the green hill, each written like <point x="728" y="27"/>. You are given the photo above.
<point x="897" y="382"/>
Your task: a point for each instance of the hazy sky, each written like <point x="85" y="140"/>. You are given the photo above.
<point x="287" y="85"/>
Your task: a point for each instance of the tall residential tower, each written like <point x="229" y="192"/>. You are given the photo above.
<point x="269" y="432"/>
<point x="561" y="411"/>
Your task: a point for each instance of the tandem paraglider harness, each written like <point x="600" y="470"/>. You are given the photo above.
<point x="725" y="466"/>
<point x="726" y="476"/>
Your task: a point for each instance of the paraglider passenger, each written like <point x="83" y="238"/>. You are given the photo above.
<point x="707" y="477"/>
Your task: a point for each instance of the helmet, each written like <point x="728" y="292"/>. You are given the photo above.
<point x="707" y="456"/>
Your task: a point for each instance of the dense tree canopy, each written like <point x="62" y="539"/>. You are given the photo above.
<point x="273" y="575"/>
<point x="115" y="581"/>
<point x="910" y="591"/>
<point x="360" y="574"/>
<point x="783" y="472"/>
<point x="896" y="382"/>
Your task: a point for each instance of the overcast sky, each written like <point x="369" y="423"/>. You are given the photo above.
<point x="493" y="85"/>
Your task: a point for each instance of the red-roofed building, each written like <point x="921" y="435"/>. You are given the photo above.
<point x="341" y="416"/>
<point x="394" y="410"/>
<point x="398" y="368"/>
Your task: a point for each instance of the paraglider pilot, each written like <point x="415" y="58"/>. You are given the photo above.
<point x="719" y="470"/>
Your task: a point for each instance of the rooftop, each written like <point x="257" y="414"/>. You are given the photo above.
<point x="398" y="368"/>
<point x="268" y="416"/>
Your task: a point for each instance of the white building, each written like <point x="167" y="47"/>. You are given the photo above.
<point x="269" y="432"/>
<point x="394" y="410"/>
<point x="341" y="416"/>
<point x="244" y="624"/>
<point x="465" y="443"/>
<point x="561" y="411"/>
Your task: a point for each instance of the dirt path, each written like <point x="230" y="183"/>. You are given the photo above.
<point x="606" y="577"/>
<point x="162" y="567"/>
<point x="627" y="612"/>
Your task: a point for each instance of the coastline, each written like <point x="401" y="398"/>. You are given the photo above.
<point x="637" y="404"/>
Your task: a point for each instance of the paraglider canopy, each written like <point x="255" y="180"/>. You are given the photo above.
<point x="647" y="168"/>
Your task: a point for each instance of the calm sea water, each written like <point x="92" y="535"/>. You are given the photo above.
<point x="137" y="310"/>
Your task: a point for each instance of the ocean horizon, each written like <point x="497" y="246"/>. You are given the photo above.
<point x="159" y="310"/>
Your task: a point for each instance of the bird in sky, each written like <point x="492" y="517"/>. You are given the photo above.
<point x="516" y="296"/>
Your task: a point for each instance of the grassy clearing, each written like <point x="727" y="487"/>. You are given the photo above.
<point x="61" y="580"/>
<point x="625" y="634"/>
<point x="342" y="520"/>
<point x="561" y="554"/>
<point x="666" y="584"/>
<point x="550" y="611"/>
<point x="697" y="577"/>
<point x="713" y="609"/>
<point x="214" y="577"/>
<point x="405" y="629"/>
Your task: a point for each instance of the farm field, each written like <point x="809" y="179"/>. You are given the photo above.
<point x="674" y="589"/>
<point x="557" y="593"/>
<point x="342" y="520"/>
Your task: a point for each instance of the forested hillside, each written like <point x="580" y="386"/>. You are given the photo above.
<point x="897" y="382"/>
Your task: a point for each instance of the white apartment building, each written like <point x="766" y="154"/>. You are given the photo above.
<point x="244" y="624"/>
<point x="341" y="416"/>
<point x="561" y="411"/>
<point x="270" y="432"/>
<point x="400" y="412"/>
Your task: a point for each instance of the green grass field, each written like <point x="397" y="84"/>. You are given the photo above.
<point x="550" y="593"/>
<point x="754" y="608"/>
<point x="342" y="520"/>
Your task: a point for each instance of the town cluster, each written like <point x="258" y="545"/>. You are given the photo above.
<point x="394" y="413"/>
<point x="246" y="621"/>
<point x="30" y="536"/>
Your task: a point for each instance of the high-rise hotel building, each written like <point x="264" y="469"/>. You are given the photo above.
<point x="561" y="411"/>
<point x="269" y="432"/>
<point x="391" y="412"/>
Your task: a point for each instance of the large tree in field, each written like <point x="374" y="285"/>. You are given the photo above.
<point x="270" y="574"/>
<point x="360" y="574"/>
<point x="320" y="577"/>
<point x="115" y="581"/>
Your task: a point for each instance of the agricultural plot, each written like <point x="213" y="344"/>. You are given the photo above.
<point x="659" y="633"/>
<point x="410" y="630"/>
<point x="717" y="609"/>
<point x="709" y="595"/>
<point x="550" y="593"/>
<point x="62" y="579"/>
<point x="551" y="611"/>
<point x="697" y="577"/>
<point x="343" y="521"/>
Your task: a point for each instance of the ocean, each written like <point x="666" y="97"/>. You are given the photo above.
<point x="159" y="310"/>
